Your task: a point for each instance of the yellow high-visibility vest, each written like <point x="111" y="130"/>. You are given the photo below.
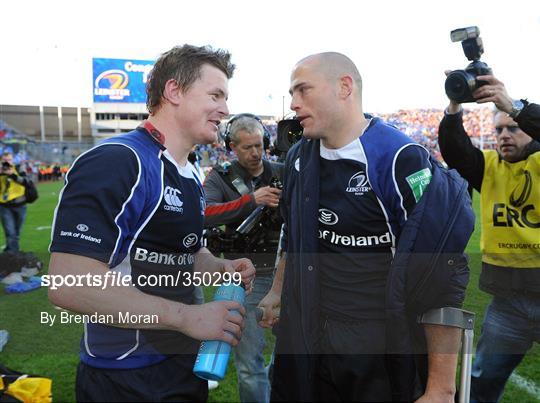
<point x="10" y="189"/>
<point x="510" y="202"/>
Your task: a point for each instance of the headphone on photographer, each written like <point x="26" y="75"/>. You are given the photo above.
<point x="227" y="135"/>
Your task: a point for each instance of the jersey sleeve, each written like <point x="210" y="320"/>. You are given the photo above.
<point x="88" y="218"/>
<point x="412" y="174"/>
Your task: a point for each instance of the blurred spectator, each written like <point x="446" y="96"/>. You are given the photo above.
<point x="12" y="201"/>
<point x="56" y="173"/>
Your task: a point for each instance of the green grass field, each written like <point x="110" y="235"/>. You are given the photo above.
<point x="52" y="351"/>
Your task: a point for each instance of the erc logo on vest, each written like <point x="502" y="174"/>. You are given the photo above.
<point x="172" y="201"/>
<point x="358" y="184"/>
<point x="519" y="213"/>
<point x="328" y="217"/>
<point x="523" y="188"/>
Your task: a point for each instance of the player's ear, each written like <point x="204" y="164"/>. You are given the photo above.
<point x="172" y="92"/>
<point x="346" y="86"/>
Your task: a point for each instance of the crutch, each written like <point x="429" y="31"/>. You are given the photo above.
<point x="462" y="319"/>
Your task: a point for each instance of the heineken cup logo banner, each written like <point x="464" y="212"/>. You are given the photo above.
<point x="418" y="182"/>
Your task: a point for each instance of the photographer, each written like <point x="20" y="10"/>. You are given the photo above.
<point x="233" y="193"/>
<point x="507" y="180"/>
<point x="13" y="202"/>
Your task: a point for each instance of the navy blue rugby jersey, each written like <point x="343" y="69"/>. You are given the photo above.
<point x="128" y="204"/>
<point x="356" y="240"/>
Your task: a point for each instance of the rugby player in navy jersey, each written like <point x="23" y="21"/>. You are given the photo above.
<point x="363" y="178"/>
<point x="134" y="206"/>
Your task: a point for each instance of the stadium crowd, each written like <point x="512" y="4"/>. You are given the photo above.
<point x="419" y="124"/>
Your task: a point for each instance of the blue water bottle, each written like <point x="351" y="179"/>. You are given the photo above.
<point x="213" y="356"/>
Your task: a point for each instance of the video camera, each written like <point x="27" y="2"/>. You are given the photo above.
<point x="6" y="166"/>
<point x="460" y="84"/>
<point x="251" y="235"/>
<point x="289" y="131"/>
<point x="261" y="215"/>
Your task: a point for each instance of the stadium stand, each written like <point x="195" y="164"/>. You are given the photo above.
<point x="420" y="124"/>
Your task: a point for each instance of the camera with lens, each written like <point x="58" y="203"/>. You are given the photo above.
<point x="460" y="84"/>
<point x="6" y="166"/>
<point x="262" y="217"/>
<point x="252" y="235"/>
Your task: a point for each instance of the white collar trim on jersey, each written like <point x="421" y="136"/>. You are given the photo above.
<point x="352" y="151"/>
<point x="187" y="171"/>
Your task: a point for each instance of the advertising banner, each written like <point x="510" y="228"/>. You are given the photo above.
<point x="120" y="80"/>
